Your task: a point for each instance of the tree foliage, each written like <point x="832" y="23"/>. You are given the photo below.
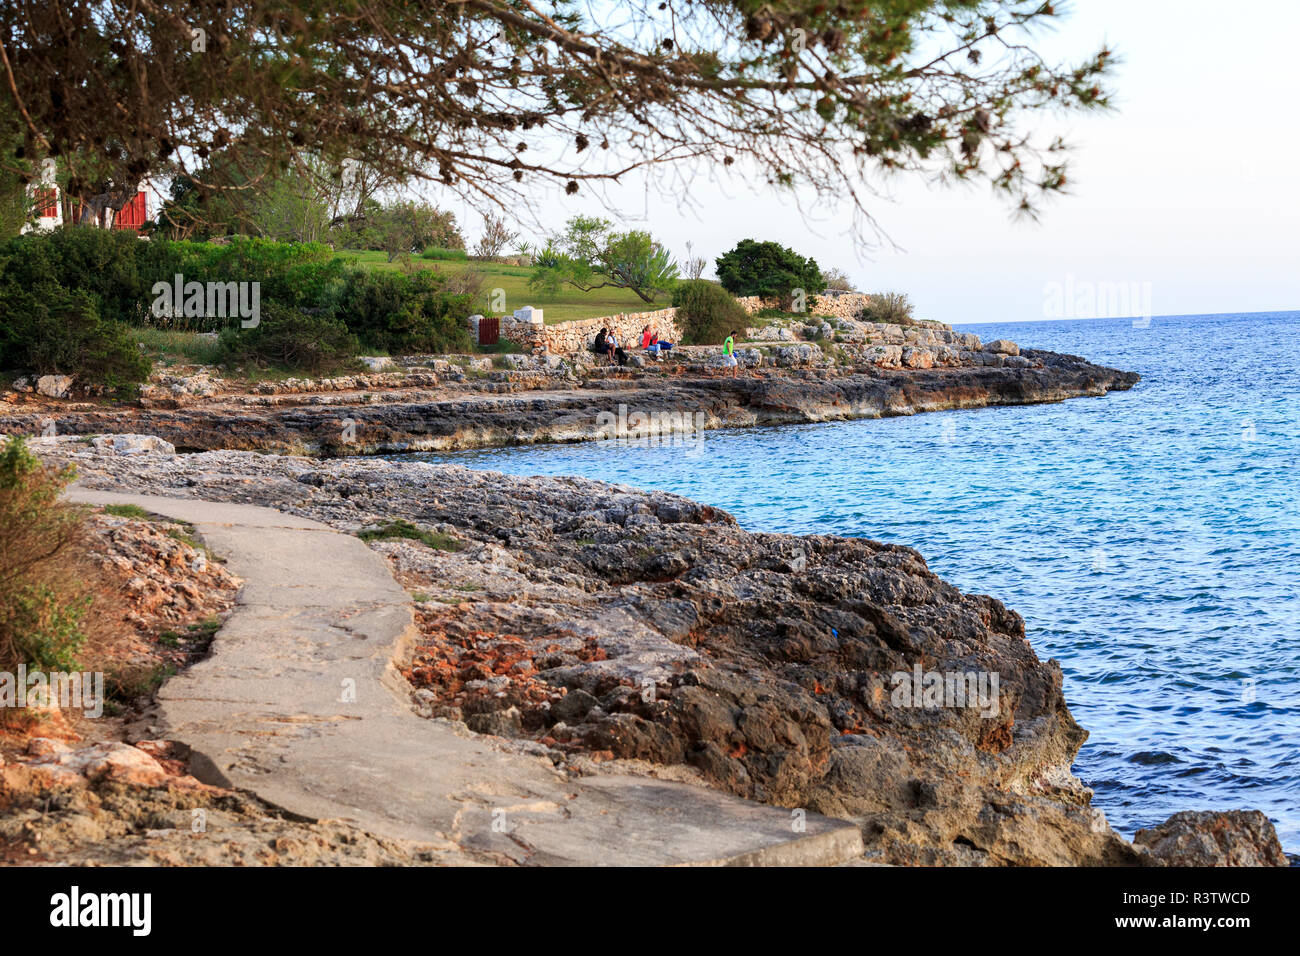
<point x="492" y="97"/>
<point x="768" y="269"/>
<point x="588" y="255"/>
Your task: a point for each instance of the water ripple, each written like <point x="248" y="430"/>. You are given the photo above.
<point x="1151" y="539"/>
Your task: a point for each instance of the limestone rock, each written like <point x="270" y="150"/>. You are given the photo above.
<point x="54" y="386"/>
<point x="1205" y="838"/>
<point x="1003" y="347"/>
<point x="132" y="445"/>
<point x="918" y="358"/>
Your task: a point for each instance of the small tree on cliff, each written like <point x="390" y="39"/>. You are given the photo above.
<point x="587" y="255"/>
<point x="770" y="270"/>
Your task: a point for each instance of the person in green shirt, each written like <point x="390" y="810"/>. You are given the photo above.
<point x="729" y="355"/>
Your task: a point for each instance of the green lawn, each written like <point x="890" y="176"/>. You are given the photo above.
<point x="513" y="281"/>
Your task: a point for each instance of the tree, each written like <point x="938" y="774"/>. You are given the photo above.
<point x="769" y="270"/>
<point x="496" y="236"/>
<point x="802" y="93"/>
<point x="401" y="228"/>
<point x="693" y="266"/>
<point x="587" y="256"/>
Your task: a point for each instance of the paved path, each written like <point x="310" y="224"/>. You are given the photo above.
<point x="300" y="703"/>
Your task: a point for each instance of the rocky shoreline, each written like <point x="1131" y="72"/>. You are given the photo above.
<point x="442" y="406"/>
<point x="615" y="629"/>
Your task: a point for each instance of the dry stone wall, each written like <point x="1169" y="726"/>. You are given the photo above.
<point x="526" y="328"/>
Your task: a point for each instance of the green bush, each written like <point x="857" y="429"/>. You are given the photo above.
<point x="115" y="268"/>
<point x="119" y="270"/>
<point x="768" y="269"/>
<point x="42" y="603"/>
<point x="892" y="307"/>
<point x="402" y="312"/>
<point x="706" y="312"/>
<point x="50" y="330"/>
<point x="301" y="275"/>
<point x="290" y="340"/>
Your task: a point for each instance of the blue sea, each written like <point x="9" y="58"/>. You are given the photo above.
<point x="1150" y="539"/>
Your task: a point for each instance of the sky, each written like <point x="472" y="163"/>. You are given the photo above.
<point x="1186" y="196"/>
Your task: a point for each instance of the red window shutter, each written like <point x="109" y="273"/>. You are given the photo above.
<point x="131" y="216"/>
<point x="47" y="202"/>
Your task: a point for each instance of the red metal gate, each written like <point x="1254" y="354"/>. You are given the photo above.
<point x="489" y="330"/>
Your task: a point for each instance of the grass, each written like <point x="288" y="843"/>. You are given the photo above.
<point x="566" y="305"/>
<point x="176" y="347"/>
<point x="127" y="511"/>
<point x="206" y="628"/>
<point x="401" y="529"/>
<point x="185" y="533"/>
<point x="445" y="255"/>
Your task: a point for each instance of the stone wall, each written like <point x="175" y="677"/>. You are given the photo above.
<point x="837" y="305"/>
<point x="568" y="337"/>
<point x="842" y="305"/>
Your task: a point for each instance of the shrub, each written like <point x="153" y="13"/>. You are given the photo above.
<point x="892" y="307"/>
<point x="300" y="275"/>
<point x="706" y="312"/>
<point x="768" y="269"/>
<point x="42" y="603"/>
<point x="115" y="268"/>
<point x="403" y="312"/>
<point x="119" y="271"/>
<point x="49" y="330"/>
<point x="837" y="280"/>
<point x="291" y="340"/>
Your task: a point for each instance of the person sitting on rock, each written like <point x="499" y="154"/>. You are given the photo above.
<point x="651" y="343"/>
<point x="602" y="346"/>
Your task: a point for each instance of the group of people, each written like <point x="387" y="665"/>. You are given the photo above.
<point x="606" y="346"/>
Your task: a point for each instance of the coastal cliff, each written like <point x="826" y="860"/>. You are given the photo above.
<point x="441" y="406"/>
<point x="615" y="630"/>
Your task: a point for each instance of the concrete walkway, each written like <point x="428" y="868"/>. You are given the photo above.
<point x="300" y="703"/>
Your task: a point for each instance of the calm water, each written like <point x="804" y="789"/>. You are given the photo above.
<point x="1151" y="539"/>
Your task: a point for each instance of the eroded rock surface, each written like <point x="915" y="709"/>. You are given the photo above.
<point x="534" y="399"/>
<point x="609" y="625"/>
